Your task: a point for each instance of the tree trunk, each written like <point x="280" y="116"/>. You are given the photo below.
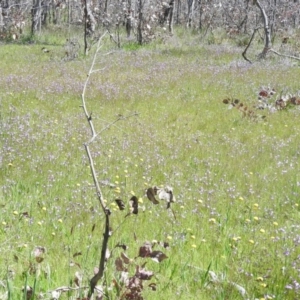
<point x="178" y="12"/>
<point x="140" y="23"/>
<point x="200" y="13"/>
<point x="69" y="14"/>
<point x="171" y="16"/>
<point x="45" y="10"/>
<point x="190" y="12"/>
<point x="105" y="6"/>
<point x="245" y="25"/>
<point x="85" y="29"/>
<point x="89" y="18"/>
<point x="128" y="19"/>
<point x="268" y="43"/>
<point x="36" y="14"/>
<point x="1" y="19"/>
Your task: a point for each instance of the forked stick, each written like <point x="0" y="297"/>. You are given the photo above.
<point x="106" y="211"/>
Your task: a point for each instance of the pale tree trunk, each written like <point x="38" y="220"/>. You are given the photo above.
<point x="296" y="18"/>
<point x="89" y="24"/>
<point x="90" y="19"/>
<point x="1" y="19"/>
<point x="69" y="14"/>
<point x="56" y="11"/>
<point x="245" y="24"/>
<point x="191" y="4"/>
<point x="178" y="11"/>
<point x="36" y="16"/>
<point x="53" y="13"/>
<point x="168" y="9"/>
<point x="128" y="20"/>
<point x="200" y="13"/>
<point x="273" y="18"/>
<point x="85" y="29"/>
<point x="268" y="43"/>
<point x="140" y="23"/>
<point x="172" y="2"/>
<point x="45" y="10"/>
<point x="105" y="6"/>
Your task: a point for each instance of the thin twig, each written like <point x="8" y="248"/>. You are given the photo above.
<point x="69" y="288"/>
<point x="88" y="116"/>
<point x="111" y="124"/>
<point x="98" y="70"/>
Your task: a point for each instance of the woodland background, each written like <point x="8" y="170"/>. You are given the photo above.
<point x="146" y="20"/>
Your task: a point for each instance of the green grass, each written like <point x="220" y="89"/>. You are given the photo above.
<point x="236" y="180"/>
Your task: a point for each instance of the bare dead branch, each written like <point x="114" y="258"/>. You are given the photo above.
<point x="69" y="288"/>
<point x="97" y="70"/>
<point x="90" y="122"/>
<point x="111" y="124"/>
<point x="284" y="55"/>
<point x="106" y="211"/>
<point x="95" y="279"/>
<point x="247" y="47"/>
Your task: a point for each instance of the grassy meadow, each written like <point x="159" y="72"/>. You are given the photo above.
<point x="235" y="231"/>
